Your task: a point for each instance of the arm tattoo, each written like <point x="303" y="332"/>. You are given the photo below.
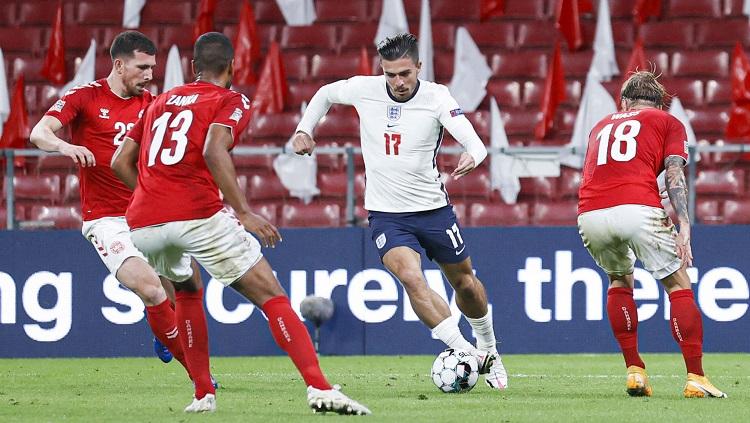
<point x="677" y="187"/>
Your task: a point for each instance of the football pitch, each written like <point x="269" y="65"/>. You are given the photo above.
<point x="543" y="388"/>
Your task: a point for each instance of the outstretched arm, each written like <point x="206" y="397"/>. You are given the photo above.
<point x="677" y="191"/>
<point x="339" y="92"/>
<point x="464" y="133"/>
<point x="43" y="136"/>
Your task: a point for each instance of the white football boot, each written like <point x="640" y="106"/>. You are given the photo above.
<point x="496" y="377"/>
<point x="206" y="404"/>
<point x="334" y="400"/>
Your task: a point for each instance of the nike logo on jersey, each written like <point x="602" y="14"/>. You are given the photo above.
<point x="461" y="250"/>
<point x="391" y="125"/>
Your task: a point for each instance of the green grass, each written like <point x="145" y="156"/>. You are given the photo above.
<point x="543" y="388"/>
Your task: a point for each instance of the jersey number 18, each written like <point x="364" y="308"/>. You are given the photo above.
<point x="625" y="133"/>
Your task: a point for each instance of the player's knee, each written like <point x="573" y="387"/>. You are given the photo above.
<point x="412" y="279"/>
<point x="466" y="282"/>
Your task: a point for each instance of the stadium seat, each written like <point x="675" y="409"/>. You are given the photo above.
<point x="269" y="211"/>
<point x="94" y="13"/>
<point x="526" y="9"/>
<point x="622" y="33"/>
<point x="737" y="212"/>
<point x="302" y="91"/>
<point x="443" y="66"/>
<point x="266" y="11"/>
<point x="726" y="35"/>
<point x="181" y="36"/>
<point x="63" y="217"/>
<point x="708" y="121"/>
<point x="457" y="11"/>
<point x="168" y="12"/>
<point x="521" y="64"/>
<point x="21" y="40"/>
<point x="491" y="36"/>
<point x="688" y="90"/>
<point x="332" y="185"/>
<point x="728" y="182"/>
<point x="620" y="9"/>
<point x="702" y="63"/>
<point x="444" y="36"/>
<point x="78" y="40"/>
<point x="538" y="188"/>
<point x="536" y="34"/>
<point x="71" y="189"/>
<point x="278" y="125"/>
<point x="256" y="163"/>
<point x="338" y="11"/>
<point x="555" y="213"/>
<point x="310" y="215"/>
<point x="459" y="209"/>
<point x="480" y="120"/>
<point x="55" y="164"/>
<point x="108" y="34"/>
<point x="533" y="92"/>
<point x="475" y="185"/>
<point x="520" y="122"/>
<point x="266" y="34"/>
<point x="333" y="67"/>
<point x="707" y="211"/>
<point x="694" y="8"/>
<point x="484" y="214"/>
<point x="675" y="34"/>
<point x="265" y="187"/>
<point x="7" y="16"/>
<point x="318" y="38"/>
<point x="734" y="8"/>
<point x="507" y="93"/>
<point x="356" y="35"/>
<point x="728" y="158"/>
<point x="338" y="125"/>
<point x="20" y="214"/>
<point x="42" y="13"/>
<point x="43" y="188"/>
<point x="577" y="65"/>
<point x="295" y="66"/>
<point x="329" y="161"/>
<point x="718" y="92"/>
<point x="570" y="181"/>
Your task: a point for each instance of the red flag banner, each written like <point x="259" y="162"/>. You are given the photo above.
<point x="54" y="63"/>
<point x="491" y="8"/>
<point x="645" y="9"/>
<point x="554" y="93"/>
<point x="364" y="63"/>
<point x="205" y="21"/>
<point x="246" y="47"/>
<point x="569" y="23"/>
<point x="16" y="128"/>
<point x="272" y="91"/>
<point x="739" y="115"/>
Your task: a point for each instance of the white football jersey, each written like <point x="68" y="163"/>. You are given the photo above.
<point x="400" y="139"/>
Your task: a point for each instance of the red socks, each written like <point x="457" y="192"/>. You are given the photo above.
<point x="161" y="318"/>
<point x="191" y="322"/>
<point x="292" y="336"/>
<point x="623" y="317"/>
<point x="687" y="328"/>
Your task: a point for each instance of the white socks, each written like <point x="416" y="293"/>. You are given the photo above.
<point x="448" y="332"/>
<point x="484" y="332"/>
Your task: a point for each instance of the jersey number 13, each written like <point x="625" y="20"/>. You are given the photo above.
<point x="180" y="126"/>
<point x="624" y="145"/>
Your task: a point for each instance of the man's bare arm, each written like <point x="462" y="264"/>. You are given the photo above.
<point x="677" y="188"/>
<point x="43" y="136"/>
<point x="125" y="162"/>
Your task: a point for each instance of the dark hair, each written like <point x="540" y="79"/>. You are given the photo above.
<point x="128" y="42"/>
<point x="643" y="86"/>
<point x="398" y="46"/>
<point x="213" y="53"/>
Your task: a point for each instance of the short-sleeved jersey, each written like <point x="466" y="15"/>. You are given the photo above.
<point x="174" y="183"/>
<point x="99" y="120"/>
<point x="626" y="152"/>
<point x="400" y="141"/>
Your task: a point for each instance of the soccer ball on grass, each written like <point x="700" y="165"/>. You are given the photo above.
<point x="455" y="371"/>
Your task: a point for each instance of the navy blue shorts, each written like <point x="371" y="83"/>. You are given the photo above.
<point x="435" y="231"/>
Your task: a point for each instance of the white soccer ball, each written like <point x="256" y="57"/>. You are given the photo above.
<point x="455" y="371"/>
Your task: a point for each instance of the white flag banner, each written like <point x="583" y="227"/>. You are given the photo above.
<point x="131" y="13"/>
<point x="595" y="104"/>
<point x="470" y="72"/>
<point x="426" y="52"/>
<point x="85" y="73"/>
<point x="604" y="63"/>
<point x="500" y="177"/>
<point x="297" y="12"/>
<point x="746" y="8"/>
<point x="4" y="95"/>
<point x="173" y="76"/>
<point x="297" y="173"/>
<point x="679" y="112"/>
<point x="392" y="20"/>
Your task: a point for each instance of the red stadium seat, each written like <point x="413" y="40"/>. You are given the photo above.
<point x="703" y="63"/>
<point x="21" y="40"/>
<point x="317" y="38"/>
<point x="451" y="10"/>
<point x="694" y="8"/>
<point x="536" y="34"/>
<point x="338" y="11"/>
<point x="657" y="58"/>
<point x="577" y="65"/>
<point x="20" y="214"/>
<point x="269" y="211"/>
<point x="533" y="92"/>
<point x="622" y="33"/>
<point x="338" y="125"/>
<point x="521" y="122"/>
<point x="168" y="12"/>
<point x="109" y="33"/>
<point x="332" y="185"/>
<point x="555" y="214"/>
<point x="734" y="8"/>
<point x="689" y="91"/>
<point x="570" y="181"/>
<point x="443" y="66"/>
<point x="310" y="215"/>
<point x="521" y="64"/>
<point x="332" y="67"/>
<point x="42" y="13"/>
<point x="725" y="35"/>
<point x="737" y="212"/>
<point x="678" y="34"/>
<point x="459" y="209"/>
<point x="269" y="188"/>
<point x="295" y="66"/>
<point x="302" y="91"/>
<point x="328" y="161"/>
<point x="95" y="13"/>
<point x="181" y="36"/>
<point x="506" y="93"/>
<point x="7" y="16"/>
<point x="484" y="214"/>
<point x="728" y="158"/>
<point x="538" y="187"/>
<point x="718" y="92"/>
<point x="55" y="164"/>
<point x="279" y="125"/>
<point x="255" y="163"/>
<point x="266" y="34"/>
<point x="44" y="188"/>
<point x="71" y="191"/>
<point x="63" y="217"/>
<point x="620" y="8"/>
<point x="443" y="36"/>
<point x="357" y="35"/>
<point x="528" y="9"/>
<point x="78" y="40"/>
<point x="473" y="185"/>
<point x="707" y="211"/>
<point x="730" y="182"/>
<point x="266" y="11"/>
<point x="491" y="35"/>
<point x="708" y="121"/>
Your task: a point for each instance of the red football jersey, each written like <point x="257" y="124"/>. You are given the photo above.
<point x="174" y="183"/>
<point x="625" y="154"/>
<point x="99" y="120"/>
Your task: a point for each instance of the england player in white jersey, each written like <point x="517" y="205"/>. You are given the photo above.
<point x="402" y="120"/>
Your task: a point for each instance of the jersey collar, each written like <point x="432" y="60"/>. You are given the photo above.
<point x="390" y="94"/>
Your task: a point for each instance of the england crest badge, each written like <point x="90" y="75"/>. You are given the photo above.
<point x="394" y="113"/>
